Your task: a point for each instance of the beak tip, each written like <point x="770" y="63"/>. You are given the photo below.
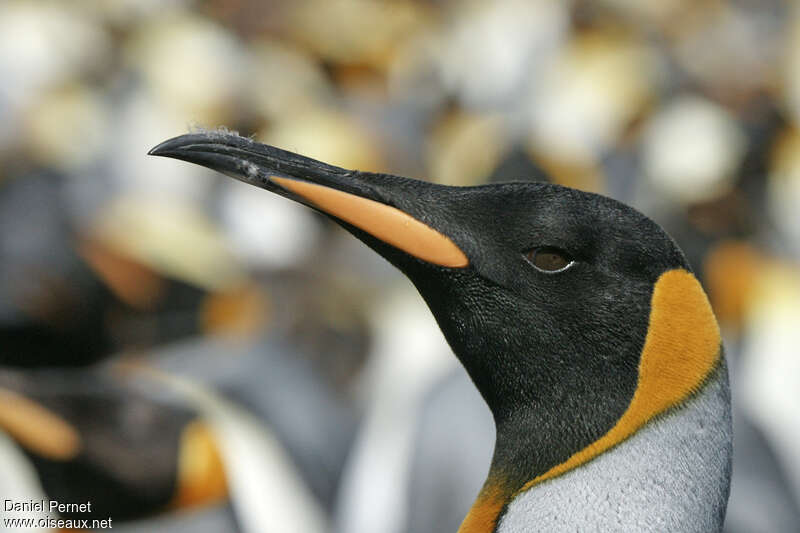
<point x="163" y="149"/>
<point x="196" y="141"/>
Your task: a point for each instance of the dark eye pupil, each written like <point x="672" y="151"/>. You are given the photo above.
<point x="548" y="259"/>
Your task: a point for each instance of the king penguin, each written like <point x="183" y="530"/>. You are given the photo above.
<point x="577" y="318"/>
<point x="89" y="438"/>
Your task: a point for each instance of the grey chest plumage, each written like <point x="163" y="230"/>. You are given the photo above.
<point x="673" y="475"/>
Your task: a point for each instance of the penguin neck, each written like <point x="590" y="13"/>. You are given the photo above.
<point x="643" y="482"/>
<point x="533" y="439"/>
<point x="686" y="450"/>
<point x="529" y="443"/>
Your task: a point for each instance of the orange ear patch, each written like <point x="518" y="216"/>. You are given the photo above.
<point x="681" y="349"/>
<point x="382" y="221"/>
<point x="38" y="429"/>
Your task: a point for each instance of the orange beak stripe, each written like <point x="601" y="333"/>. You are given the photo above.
<point x="382" y="221"/>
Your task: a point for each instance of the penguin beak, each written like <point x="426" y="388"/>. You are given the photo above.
<point x="379" y="205"/>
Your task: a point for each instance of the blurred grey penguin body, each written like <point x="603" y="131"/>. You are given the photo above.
<point x="672" y="475"/>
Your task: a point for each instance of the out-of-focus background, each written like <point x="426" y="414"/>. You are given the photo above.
<point x="192" y="354"/>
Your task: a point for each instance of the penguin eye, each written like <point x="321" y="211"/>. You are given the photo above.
<point x="549" y="259"/>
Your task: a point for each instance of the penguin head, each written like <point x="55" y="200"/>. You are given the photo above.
<point x="543" y="292"/>
<point x="553" y="306"/>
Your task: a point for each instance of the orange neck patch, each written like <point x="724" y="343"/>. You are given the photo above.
<point x="482" y="517"/>
<point x="382" y="221"/>
<point x="681" y="349"/>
